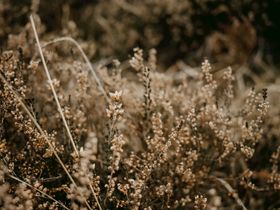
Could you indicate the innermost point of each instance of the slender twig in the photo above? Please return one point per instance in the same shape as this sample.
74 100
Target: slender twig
40 191
52 87
70 39
57 101
232 192
42 133
95 197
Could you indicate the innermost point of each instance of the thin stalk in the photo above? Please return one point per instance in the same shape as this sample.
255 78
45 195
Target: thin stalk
42 133
52 87
70 39
56 98
40 191
232 192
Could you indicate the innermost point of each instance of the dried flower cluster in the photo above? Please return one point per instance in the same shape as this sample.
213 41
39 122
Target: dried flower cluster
144 137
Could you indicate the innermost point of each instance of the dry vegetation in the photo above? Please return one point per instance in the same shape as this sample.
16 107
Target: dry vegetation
80 129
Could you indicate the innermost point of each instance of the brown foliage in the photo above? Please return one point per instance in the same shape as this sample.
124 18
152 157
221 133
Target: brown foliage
182 138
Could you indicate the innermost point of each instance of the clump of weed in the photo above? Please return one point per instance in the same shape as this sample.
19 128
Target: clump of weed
125 135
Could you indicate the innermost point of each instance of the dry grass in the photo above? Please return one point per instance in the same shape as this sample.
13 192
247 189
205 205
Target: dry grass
133 134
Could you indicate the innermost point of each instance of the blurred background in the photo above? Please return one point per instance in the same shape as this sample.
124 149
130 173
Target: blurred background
235 32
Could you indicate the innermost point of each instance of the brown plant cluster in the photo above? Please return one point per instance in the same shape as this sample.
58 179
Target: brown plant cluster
110 134
227 32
